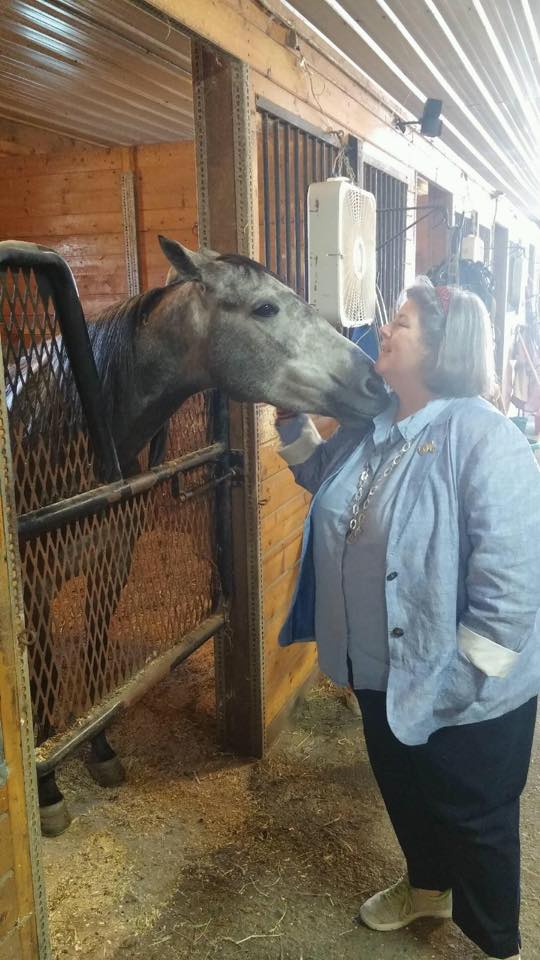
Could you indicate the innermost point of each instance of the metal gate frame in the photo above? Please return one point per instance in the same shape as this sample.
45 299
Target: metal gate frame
23 798
53 270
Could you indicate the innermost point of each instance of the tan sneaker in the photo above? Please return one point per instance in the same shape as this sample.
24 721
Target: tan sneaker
400 904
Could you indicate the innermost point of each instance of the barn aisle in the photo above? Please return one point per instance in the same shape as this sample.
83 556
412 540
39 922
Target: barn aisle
203 856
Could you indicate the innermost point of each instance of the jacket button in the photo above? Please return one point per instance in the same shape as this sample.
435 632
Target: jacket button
392 576
397 632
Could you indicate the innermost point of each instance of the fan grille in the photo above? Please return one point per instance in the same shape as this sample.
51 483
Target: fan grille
358 247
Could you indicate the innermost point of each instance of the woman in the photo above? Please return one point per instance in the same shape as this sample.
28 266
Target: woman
420 581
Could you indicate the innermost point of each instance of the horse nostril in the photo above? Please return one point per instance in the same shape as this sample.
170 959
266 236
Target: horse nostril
373 386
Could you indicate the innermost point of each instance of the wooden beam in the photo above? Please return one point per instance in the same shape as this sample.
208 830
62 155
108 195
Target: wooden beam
298 71
227 209
129 220
10 149
23 895
248 32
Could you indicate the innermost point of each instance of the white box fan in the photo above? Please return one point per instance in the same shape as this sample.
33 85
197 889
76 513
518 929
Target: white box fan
341 248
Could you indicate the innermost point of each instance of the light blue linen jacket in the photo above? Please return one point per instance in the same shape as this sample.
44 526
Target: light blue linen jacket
463 600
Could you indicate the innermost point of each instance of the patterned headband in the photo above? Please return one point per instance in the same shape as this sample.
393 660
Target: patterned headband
444 296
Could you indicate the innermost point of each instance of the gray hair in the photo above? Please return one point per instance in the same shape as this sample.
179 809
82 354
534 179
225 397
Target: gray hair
459 345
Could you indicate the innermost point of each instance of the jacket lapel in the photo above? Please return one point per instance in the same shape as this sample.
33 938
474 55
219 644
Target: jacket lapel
425 451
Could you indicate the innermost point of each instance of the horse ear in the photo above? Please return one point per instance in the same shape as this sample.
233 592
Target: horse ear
186 264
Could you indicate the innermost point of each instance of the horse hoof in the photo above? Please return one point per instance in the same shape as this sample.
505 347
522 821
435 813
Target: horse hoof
54 819
108 773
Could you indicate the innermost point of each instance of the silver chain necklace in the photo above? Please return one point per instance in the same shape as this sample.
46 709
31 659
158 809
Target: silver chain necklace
360 502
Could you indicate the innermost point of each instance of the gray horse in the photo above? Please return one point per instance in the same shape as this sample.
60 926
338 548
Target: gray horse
221 321
225 321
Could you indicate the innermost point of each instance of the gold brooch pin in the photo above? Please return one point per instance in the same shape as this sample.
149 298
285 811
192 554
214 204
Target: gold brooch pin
428 447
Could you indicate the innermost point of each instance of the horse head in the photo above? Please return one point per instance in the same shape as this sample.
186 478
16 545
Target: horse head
260 342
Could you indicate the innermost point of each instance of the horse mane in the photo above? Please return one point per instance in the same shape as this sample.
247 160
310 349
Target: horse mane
111 332
239 260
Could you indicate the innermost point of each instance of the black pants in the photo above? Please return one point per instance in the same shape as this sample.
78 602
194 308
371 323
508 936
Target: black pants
454 805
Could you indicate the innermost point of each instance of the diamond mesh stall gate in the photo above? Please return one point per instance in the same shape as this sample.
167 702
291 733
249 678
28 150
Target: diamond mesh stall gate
119 575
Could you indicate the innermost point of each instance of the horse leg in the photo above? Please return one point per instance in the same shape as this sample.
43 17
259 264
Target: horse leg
103 764
53 811
102 598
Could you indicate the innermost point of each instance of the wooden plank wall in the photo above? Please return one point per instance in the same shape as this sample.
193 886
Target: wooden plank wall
17 921
22 898
166 197
284 506
70 199
432 233
283 510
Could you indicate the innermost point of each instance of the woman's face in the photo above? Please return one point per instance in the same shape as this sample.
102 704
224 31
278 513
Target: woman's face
402 350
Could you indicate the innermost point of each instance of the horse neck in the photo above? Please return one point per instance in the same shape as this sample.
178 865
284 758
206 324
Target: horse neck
143 387
139 428
147 410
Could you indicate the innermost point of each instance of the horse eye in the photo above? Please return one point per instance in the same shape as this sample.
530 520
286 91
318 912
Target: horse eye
266 310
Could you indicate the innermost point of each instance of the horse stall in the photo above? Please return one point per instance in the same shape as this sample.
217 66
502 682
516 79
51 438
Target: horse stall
120 126
125 566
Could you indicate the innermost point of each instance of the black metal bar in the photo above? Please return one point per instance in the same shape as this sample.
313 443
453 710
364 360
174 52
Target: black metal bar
213 484
266 190
351 152
94 501
133 690
391 193
297 213
402 232
381 225
388 189
305 165
277 196
287 171
224 531
403 245
423 206
266 106
326 162
55 274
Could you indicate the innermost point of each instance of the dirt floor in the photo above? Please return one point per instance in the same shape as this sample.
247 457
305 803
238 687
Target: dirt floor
201 856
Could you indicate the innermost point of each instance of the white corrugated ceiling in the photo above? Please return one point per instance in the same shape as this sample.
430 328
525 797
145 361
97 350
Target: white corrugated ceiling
481 57
111 71
105 71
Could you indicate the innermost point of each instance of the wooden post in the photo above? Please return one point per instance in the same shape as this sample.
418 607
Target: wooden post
23 906
227 205
129 221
